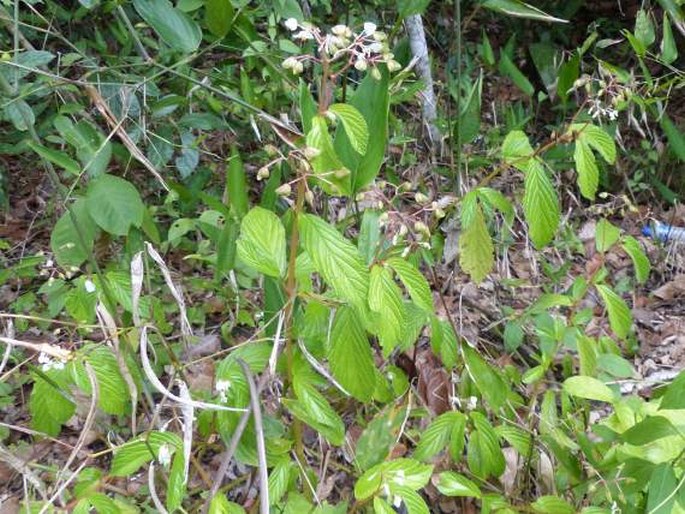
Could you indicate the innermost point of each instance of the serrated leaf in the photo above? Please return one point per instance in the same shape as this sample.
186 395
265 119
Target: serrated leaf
67 239
220 505
130 456
385 300
644 28
380 506
640 261
450 483
520 9
540 205
408 473
354 124
436 437
516 150
279 479
588 388
50 408
114 204
349 355
476 252
586 167
606 235
113 397
597 138
620 317
661 495
173 26
669 49
313 408
483 454
552 505
332 174
674 398
261 244
336 259
176 487
413 501
648 430
414 281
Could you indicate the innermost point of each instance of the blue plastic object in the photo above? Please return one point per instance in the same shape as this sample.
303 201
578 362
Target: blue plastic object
664 232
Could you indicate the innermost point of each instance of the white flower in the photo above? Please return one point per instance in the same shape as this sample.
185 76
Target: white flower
303 35
376 48
292 63
341 30
47 363
369 28
221 387
291 24
361 64
89 286
164 455
393 66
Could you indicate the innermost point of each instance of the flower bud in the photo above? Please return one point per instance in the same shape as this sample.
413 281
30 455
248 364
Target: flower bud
369 28
311 153
263 173
291 24
361 64
341 173
309 197
421 198
375 73
393 66
303 35
340 30
284 190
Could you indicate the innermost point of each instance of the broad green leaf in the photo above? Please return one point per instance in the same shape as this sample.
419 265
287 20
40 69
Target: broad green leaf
669 49
597 139
174 27
385 300
413 501
487 380
644 28
476 252
453 484
620 317
518 438
130 456
308 107
640 261
261 244
68 239
333 176
406 473
663 485
93 150
114 204
219 16
220 505
336 259
279 479
483 454
606 235
113 395
587 354
49 405
379 437
588 388
380 506
414 281
586 167
410 7
313 408
354 124
370 482
27 61
444 342
436 437
57 157
349 355
496 200
520 9
648 430
20 114
540 205
369 235
80 303
552 505
176 487
674 398
516 150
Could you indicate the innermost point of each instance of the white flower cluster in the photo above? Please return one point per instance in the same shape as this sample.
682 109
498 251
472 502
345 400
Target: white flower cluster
364 50
599 110
222 387
47 363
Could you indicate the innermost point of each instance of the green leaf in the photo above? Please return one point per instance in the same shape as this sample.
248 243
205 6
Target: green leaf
57 157
640 261
49 405
114 204
261 244
661 495
588 388
279 478
385 300
20 114
644 29
484 456
65 242
552 505
333 176
220 505
586 167
174 27
487 380
93 150
648 430
406 473
519 9
414 281
336 259
130 456
379 437
236 186
176 487
113 397
380 506
540 204
675 137
354 124
476 252
436 437
369 235
350 356
674 398
606 235
219 16
410 7
312 408
669 49
620 317
413 501
508 68
453 484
